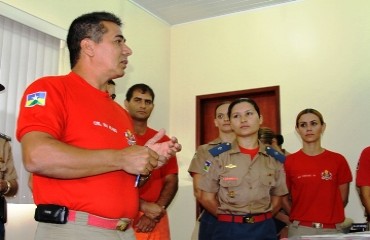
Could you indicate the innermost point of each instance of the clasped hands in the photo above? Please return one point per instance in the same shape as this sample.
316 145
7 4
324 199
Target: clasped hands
152 213
154 155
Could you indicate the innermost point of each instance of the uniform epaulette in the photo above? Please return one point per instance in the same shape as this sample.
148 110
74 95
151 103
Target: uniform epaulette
275 154
222 147
7 138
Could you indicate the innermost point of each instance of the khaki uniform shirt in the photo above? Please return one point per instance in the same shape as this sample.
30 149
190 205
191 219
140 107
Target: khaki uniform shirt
244 186
7 169
198 163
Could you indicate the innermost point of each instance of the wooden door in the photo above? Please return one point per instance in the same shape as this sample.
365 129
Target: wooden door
268 100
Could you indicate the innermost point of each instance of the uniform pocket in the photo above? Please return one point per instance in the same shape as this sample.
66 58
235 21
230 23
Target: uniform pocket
268 178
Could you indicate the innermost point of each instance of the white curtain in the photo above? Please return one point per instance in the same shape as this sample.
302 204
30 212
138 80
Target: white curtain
25 55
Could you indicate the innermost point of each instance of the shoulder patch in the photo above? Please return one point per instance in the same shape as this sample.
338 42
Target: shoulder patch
275 154
207 165
37 98
223 147
7 138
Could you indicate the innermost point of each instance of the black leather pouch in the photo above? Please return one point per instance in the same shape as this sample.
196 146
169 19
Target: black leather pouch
3 209
50 213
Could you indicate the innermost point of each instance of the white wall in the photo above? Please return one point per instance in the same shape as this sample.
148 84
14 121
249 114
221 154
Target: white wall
20 225
317 51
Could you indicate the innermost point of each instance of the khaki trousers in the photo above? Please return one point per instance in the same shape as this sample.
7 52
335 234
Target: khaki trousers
79 230
297 230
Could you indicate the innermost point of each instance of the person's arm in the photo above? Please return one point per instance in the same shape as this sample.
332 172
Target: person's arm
210 202
276 204
9 184
286 203
153 212
44 155
364 192
196 190
344 191
8 187
284 215
169 190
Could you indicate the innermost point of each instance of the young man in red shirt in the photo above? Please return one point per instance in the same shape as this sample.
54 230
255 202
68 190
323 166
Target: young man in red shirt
161 186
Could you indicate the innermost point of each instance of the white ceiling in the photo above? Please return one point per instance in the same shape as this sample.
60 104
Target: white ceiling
182 11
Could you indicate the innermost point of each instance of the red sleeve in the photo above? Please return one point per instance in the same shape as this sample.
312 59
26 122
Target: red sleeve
363 168
48 114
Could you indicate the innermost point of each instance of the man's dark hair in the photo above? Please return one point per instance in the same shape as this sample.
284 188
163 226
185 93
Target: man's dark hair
143 88
266 135
87 26
279 139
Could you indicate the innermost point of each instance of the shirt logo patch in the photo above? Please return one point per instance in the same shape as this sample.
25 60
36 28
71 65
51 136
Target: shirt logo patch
37 98
207 164
130 137
326 175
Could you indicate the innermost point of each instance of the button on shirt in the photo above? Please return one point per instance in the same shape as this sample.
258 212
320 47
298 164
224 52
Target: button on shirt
244 185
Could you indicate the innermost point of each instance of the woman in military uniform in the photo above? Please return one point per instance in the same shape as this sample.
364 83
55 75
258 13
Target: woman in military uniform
8 177
244 185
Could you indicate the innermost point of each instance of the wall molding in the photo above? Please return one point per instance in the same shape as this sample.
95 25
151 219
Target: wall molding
32 21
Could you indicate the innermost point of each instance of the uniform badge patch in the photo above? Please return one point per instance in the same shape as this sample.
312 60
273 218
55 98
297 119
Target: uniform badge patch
37 98
326 175
207 164
130 137
230 165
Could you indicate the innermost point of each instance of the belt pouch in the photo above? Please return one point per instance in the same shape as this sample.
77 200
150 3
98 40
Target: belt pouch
50 213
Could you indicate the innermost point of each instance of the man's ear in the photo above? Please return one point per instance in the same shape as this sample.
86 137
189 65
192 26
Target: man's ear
125 103
87 47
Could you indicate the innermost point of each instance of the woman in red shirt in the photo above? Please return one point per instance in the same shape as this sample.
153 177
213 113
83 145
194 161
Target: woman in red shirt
317 179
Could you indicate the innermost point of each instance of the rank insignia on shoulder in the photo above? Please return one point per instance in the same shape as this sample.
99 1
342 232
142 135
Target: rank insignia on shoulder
275 154
223 147
7 138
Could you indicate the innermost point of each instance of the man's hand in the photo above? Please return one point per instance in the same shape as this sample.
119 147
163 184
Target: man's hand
139 160
145 224
152 210
165 150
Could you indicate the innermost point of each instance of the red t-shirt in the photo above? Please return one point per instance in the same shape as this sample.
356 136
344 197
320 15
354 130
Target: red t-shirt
151 190
363 169
313 182
74 112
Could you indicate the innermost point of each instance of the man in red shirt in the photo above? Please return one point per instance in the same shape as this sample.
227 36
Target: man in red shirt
363 181
161 186
79 144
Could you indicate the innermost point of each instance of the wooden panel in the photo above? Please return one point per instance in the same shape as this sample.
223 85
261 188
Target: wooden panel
268 100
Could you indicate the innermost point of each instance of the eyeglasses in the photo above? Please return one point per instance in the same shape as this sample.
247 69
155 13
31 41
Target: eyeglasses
113 96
